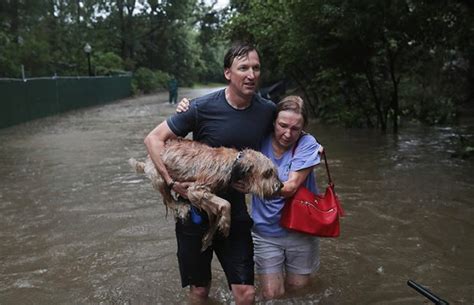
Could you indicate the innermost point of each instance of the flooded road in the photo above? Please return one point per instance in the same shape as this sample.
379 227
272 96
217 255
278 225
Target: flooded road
78 226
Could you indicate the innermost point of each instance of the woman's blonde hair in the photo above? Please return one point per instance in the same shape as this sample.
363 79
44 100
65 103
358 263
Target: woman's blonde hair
295 104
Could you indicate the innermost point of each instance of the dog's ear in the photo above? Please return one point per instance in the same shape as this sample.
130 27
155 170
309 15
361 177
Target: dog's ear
240 171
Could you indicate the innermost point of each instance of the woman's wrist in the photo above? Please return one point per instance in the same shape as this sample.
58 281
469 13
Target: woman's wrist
171 184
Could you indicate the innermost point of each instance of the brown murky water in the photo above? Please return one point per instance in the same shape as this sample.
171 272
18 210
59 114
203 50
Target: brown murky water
78 226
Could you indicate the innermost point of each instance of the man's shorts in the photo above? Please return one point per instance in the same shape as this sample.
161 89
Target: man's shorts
235 253
295 253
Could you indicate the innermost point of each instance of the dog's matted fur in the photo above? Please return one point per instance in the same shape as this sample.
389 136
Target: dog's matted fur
211 170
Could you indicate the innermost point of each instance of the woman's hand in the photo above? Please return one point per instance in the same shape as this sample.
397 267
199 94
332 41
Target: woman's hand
289 189
183 105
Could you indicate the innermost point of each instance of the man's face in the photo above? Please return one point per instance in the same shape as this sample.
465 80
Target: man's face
244 74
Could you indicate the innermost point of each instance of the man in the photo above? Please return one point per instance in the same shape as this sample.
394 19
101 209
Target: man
173 90
233 117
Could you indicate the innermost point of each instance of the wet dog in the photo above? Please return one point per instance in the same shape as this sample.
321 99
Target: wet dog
210 171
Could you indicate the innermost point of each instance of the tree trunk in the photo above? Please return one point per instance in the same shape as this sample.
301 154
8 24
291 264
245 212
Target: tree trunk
130 4
123 41
307 97
351 93
78 12
395 107
395 82
15 19
381 117
302 81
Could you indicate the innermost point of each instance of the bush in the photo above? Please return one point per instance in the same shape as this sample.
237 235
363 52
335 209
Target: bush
146 81
441 110
109 64
162 79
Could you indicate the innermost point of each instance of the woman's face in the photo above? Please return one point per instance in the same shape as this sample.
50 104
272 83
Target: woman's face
288 127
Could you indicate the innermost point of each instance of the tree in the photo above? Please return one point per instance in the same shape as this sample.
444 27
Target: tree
47 37
354 60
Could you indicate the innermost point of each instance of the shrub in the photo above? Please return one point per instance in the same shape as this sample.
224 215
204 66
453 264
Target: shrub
147 81
162 79
108 64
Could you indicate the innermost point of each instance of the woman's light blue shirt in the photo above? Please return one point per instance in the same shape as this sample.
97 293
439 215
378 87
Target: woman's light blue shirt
266 214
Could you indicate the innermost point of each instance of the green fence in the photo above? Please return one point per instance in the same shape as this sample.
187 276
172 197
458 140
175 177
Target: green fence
28 99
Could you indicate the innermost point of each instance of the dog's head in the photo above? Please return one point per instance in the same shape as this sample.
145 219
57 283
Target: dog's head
258 173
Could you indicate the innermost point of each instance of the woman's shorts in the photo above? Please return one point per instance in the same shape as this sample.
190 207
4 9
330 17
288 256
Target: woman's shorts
295 253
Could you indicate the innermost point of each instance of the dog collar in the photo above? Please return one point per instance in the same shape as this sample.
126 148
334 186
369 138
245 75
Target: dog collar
239 156
234 166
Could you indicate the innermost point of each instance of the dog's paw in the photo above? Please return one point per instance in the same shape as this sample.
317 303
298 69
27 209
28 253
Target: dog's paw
224 226
139 167
182 210
206 241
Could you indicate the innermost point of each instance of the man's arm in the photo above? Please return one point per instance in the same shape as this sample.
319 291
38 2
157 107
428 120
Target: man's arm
155 142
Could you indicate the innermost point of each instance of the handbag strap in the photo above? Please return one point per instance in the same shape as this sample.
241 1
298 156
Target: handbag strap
323 153
340 210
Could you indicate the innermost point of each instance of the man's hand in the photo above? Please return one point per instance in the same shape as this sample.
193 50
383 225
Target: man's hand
183 105
181 188
240 186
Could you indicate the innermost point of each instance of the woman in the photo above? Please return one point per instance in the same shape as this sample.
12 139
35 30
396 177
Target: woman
284 259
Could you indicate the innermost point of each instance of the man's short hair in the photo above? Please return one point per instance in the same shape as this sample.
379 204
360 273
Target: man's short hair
237 50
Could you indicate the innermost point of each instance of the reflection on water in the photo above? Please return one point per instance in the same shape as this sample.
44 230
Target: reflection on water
409 216
78 226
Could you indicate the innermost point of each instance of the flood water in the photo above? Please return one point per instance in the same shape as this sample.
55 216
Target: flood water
77 226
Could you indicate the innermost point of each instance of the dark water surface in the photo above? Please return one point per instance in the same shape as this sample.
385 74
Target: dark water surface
78 226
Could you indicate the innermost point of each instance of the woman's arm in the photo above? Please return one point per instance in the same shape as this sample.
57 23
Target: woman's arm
294 181
296 178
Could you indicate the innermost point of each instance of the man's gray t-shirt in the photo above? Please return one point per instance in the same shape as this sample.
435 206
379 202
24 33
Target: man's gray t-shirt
214 122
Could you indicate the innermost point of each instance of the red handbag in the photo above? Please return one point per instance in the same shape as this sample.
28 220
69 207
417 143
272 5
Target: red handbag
313 214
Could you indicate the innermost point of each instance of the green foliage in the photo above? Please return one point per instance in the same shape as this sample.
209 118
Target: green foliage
7 65
147 81
441 111
350 57
358 63
48 37
108 63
